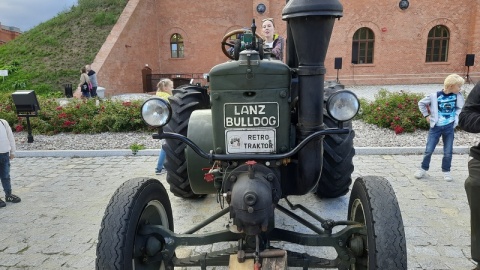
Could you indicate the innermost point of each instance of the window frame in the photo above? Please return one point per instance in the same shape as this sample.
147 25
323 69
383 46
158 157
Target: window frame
176 40
363 46
437 45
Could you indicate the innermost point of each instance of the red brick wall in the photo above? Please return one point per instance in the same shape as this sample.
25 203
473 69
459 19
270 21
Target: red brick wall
6 35
142 36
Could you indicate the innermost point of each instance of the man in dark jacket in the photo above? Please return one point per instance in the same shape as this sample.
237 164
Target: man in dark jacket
93 79
469 120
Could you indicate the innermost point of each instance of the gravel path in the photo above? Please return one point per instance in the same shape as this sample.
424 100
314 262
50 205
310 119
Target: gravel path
366 135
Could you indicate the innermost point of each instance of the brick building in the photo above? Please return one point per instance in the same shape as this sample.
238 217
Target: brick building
8 33
379 42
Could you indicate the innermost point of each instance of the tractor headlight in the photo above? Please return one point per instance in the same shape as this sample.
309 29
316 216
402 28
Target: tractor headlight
343 105
156 112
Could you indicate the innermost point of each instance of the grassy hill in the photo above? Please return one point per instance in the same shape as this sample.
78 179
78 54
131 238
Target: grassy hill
51 54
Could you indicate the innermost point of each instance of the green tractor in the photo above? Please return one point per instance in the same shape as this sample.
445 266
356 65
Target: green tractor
265 131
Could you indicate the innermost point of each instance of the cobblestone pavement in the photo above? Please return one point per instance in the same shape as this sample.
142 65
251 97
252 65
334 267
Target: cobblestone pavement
63 200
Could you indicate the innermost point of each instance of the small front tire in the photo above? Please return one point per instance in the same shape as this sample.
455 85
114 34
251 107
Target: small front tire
136 202
374 204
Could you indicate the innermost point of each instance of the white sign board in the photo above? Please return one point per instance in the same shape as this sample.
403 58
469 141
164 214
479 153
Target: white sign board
250 141
3 73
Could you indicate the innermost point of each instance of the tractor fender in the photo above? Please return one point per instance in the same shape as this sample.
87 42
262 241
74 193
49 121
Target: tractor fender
200 131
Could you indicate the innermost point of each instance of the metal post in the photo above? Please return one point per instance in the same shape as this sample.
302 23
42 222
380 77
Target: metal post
29 129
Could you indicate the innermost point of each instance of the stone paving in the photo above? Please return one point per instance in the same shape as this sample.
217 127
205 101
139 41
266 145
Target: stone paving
63 199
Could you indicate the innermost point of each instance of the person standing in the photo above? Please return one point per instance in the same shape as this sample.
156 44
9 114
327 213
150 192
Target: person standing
164 90
93 80
441 110
272 40
7 153
84 83
469 120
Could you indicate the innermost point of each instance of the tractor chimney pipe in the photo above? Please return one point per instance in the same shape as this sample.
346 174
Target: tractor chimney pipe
310 23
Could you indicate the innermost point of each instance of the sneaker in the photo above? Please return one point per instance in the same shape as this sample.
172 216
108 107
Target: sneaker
2 203
420 173
447 176
160 172
12 198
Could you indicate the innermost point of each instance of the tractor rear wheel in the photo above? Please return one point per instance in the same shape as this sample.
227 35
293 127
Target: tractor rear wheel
184 101
338 167
136 202
374 204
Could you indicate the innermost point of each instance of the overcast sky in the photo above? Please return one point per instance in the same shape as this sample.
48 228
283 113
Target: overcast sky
26 14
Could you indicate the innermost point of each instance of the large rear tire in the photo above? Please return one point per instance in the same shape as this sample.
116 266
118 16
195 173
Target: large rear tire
184 101
338 152
373 203
136 202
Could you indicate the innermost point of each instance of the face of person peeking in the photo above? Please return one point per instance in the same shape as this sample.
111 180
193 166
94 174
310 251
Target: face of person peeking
169 87
268 30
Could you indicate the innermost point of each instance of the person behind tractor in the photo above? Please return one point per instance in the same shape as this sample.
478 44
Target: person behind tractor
441 110
272 40
164 90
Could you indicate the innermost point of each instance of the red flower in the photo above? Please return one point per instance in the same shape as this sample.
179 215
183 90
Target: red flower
398 129
59 108
62 115
400 106
127 103
18 128
68 123
397 118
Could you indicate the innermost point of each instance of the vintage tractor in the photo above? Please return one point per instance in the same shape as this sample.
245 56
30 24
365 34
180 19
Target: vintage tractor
265 131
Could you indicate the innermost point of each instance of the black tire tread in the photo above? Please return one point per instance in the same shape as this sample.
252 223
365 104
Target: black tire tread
183 103
388 229
338 153
113 231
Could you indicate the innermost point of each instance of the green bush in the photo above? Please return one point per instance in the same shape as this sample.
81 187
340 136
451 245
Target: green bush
397 111
77 116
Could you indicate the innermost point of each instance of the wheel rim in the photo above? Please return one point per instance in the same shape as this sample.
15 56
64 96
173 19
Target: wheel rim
358 214
154 213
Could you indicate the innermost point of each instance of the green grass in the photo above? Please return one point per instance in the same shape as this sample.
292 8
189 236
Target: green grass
51 54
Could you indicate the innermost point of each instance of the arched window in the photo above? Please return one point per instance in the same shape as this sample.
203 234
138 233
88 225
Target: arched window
176 46
362 46
437 44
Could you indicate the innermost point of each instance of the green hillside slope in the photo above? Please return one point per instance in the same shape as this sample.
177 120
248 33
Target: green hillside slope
51 55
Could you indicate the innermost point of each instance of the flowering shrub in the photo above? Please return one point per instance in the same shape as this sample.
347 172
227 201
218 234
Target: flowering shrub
396 111
77 116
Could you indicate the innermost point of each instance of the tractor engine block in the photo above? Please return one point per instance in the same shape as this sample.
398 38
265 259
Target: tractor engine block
252 190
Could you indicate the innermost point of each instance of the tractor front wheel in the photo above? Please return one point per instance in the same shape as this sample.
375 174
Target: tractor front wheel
135 203
374 204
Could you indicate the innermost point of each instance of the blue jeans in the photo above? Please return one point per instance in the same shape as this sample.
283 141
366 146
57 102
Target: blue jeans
161 160
5 173
447 134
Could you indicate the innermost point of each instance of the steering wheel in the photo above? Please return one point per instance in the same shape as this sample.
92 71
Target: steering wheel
226 42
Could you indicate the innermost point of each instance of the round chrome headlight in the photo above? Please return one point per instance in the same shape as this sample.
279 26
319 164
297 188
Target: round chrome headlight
156 112
343 105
